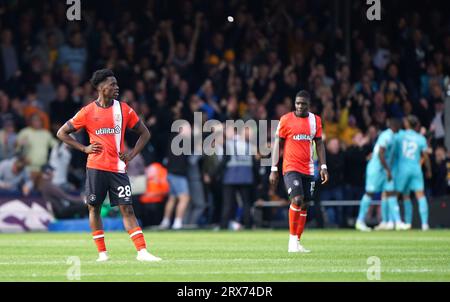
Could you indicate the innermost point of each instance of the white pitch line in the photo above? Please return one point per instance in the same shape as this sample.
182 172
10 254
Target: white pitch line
201 261
363 271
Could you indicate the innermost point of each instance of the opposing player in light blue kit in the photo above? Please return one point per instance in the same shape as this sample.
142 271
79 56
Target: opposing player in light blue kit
410 150
379 177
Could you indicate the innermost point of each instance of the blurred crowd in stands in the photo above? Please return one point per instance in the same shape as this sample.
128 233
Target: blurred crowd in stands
174 58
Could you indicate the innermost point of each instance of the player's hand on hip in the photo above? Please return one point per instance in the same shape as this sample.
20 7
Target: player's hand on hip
126 157
96 147
324 176
273 178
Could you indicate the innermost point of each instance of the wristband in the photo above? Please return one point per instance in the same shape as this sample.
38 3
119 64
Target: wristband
274 169
323 167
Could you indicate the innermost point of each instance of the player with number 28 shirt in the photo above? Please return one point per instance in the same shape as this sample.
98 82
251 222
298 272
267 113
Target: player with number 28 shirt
105 121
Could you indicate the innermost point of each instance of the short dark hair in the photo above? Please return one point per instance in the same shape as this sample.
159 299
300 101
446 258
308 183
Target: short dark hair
21 159
394 122
303 94
100 75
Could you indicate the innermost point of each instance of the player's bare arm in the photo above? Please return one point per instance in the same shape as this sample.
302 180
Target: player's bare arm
381 155
144 136
274 176
320 148
64 135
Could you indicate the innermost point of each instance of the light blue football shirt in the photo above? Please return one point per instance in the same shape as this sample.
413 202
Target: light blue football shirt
409 146
385 140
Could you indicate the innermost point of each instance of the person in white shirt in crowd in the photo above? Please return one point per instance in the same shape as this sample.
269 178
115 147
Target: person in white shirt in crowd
60 157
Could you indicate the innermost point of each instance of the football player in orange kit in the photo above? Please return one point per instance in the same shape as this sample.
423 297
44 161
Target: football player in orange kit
105 121
299 131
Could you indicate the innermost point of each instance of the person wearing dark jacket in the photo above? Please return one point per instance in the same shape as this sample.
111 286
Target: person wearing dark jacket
334 190
439 166
177 168
355 156
238 178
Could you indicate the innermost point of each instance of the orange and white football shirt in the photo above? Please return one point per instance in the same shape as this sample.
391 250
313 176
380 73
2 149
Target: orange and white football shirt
299 133
107 127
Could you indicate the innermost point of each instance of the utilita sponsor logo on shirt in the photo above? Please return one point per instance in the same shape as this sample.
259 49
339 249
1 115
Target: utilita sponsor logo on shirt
302 137
101 131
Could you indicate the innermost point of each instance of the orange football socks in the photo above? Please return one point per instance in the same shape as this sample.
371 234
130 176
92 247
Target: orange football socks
301 223
294 218
99 239
138 238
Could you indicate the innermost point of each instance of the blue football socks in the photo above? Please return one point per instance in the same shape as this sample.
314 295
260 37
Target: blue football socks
423 210
394 209
364 207
408 211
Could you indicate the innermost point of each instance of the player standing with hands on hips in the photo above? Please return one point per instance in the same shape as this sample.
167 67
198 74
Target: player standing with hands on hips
105 121
299 131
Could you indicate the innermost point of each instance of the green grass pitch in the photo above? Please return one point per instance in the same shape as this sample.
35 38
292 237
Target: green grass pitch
337 255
